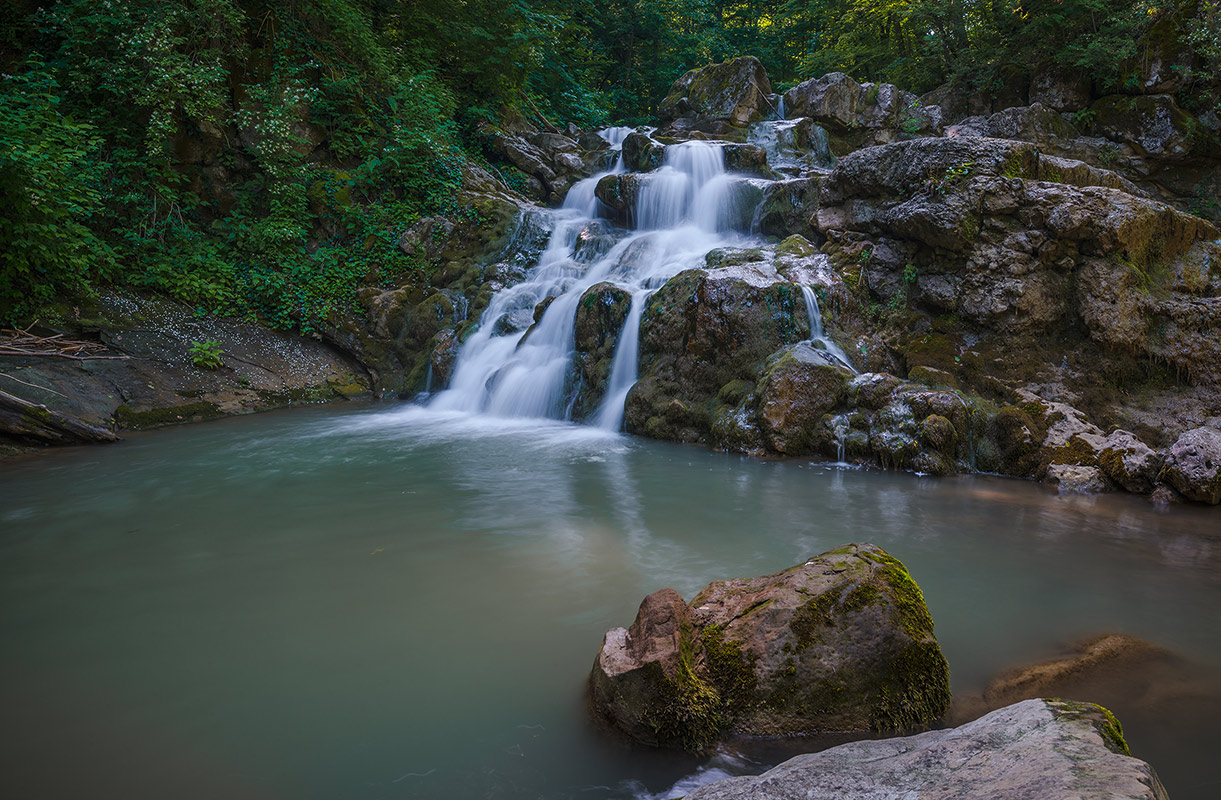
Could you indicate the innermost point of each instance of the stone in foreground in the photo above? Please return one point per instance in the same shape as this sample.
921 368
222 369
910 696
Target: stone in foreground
842 642
1044 749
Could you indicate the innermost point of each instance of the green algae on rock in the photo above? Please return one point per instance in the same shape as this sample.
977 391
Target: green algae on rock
841 642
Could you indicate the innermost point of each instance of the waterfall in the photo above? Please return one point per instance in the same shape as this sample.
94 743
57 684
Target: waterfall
780 108
623 368
513 365
817 335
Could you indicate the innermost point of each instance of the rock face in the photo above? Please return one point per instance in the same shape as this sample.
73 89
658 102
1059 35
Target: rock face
859 115
1193 465
841 642
1034 749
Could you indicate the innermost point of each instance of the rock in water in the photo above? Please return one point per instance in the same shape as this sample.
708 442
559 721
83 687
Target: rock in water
842 642
1193 465
1034 749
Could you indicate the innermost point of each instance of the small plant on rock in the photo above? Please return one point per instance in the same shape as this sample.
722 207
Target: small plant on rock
206 355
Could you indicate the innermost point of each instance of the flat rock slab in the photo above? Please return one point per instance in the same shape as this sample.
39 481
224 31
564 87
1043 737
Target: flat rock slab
1033 750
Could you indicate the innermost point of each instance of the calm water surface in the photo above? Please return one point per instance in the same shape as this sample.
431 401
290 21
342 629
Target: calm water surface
385 602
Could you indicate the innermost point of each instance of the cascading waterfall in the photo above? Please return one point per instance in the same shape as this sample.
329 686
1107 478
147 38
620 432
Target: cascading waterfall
520 364
817 335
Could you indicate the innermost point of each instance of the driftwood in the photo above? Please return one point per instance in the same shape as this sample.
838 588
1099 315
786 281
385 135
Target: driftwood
28 420
17 342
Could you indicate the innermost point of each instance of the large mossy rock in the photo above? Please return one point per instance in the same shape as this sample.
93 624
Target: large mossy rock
798 386
1035 749
842 642
859 115
733 92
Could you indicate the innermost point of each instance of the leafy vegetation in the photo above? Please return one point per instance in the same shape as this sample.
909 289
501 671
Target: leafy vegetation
261 158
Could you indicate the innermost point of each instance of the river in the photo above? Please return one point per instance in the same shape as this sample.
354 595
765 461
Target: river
387 601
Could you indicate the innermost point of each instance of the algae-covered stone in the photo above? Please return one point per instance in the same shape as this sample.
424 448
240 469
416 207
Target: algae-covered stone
841 642
798 386
1130 462
1193 465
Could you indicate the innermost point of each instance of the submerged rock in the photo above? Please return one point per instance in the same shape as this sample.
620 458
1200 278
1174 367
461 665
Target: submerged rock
1033 749
842 642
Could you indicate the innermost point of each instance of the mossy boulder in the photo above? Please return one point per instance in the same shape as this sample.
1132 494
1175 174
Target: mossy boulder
842 642
798 386
733 92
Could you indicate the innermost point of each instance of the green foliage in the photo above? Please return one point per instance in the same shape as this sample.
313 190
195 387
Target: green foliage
206 355
49 189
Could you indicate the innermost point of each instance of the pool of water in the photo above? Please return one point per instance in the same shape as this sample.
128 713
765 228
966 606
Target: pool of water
387 602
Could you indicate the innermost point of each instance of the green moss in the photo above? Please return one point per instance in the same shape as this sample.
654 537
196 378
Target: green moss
910 609
130 419
1075 451
731 672
916 691
1102 720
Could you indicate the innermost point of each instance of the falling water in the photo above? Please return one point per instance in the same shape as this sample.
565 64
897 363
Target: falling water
512 368
817 335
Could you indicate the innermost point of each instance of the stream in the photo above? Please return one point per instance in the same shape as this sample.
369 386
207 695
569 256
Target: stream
388 601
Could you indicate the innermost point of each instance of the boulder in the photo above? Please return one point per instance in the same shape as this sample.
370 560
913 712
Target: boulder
798 386
1130 462
1193 465
642 154
733 92
703 330
1033 749
859 115
841 642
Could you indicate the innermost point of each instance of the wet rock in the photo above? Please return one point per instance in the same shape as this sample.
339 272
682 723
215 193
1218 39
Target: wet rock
600 316
798 386
1036 748
789 207
442 358
1076 479
841 642
1193 465
746 158
1130 462
702 330
618 194
733 92
642 154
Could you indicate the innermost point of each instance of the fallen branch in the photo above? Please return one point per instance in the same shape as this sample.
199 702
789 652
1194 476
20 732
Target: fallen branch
32 385
33 421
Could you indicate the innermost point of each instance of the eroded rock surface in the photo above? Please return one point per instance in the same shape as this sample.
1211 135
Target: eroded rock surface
1033 749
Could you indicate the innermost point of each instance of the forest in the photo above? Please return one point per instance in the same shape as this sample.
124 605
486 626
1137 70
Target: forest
105 106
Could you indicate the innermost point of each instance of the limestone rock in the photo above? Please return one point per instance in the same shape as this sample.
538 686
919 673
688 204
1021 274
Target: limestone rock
642 154
733 92
859 115
788 208
841 642
1130 462
1193 465
1033 749
1076 479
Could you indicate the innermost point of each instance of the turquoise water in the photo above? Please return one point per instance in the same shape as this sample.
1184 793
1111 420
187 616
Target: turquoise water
386 602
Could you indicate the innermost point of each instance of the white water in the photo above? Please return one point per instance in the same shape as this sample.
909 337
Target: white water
508 368
791 146
818 336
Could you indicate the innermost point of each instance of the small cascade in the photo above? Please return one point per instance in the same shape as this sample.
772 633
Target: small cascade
780 108
623 368
580 197
817 335
511 368
793 145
